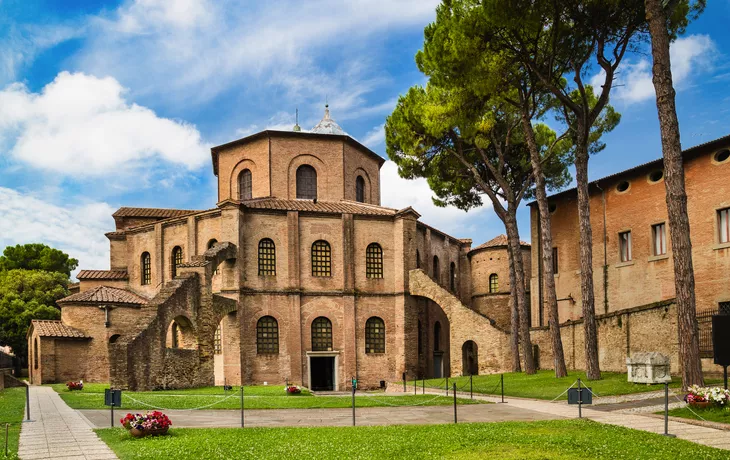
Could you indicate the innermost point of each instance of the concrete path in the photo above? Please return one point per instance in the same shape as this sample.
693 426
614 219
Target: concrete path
58 432
698 434
365 416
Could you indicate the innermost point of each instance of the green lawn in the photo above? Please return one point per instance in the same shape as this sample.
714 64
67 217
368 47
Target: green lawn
544 385
255 397
12 407
564 439
711 414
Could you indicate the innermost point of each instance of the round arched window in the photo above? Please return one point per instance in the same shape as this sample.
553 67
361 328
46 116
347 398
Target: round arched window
656 176
622 186
722 156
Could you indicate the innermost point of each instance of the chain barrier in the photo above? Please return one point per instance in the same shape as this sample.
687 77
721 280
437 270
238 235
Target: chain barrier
566 390
408 405
192 409
689 407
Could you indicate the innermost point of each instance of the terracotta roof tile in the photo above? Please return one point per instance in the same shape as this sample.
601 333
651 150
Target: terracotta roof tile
55 328
328 207
152 212
105 294
102 275
497 241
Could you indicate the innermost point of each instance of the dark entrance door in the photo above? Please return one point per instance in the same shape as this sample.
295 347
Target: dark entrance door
323 373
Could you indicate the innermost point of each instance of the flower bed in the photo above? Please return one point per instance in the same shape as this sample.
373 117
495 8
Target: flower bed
702 397
150 424
293 390
75 386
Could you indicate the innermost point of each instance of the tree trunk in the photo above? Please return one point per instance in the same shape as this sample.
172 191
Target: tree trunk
593 371
551 297
684 281
513 237
515 320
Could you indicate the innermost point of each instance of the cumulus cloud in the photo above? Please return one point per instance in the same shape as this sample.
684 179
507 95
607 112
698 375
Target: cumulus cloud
400 193
375 137
77 230
82 124
691 56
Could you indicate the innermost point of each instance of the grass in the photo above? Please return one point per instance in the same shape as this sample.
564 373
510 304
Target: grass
255 397
544 385
12 406
559 439
711 414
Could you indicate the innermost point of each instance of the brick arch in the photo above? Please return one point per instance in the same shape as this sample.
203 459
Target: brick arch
368 183
318 165
233 180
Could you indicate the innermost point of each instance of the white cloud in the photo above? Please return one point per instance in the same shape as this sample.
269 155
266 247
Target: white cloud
76 230
375 137
83 125
690 56
400 193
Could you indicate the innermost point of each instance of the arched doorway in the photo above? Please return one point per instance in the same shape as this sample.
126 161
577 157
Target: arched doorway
469 358
438 353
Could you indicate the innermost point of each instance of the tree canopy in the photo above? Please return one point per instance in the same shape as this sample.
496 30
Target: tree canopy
37 256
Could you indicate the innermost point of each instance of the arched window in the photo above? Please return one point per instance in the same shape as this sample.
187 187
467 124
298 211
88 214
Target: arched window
436 336
146 268
212 243
436 269
114 338
374 261
452 276
177 260
418 259
321 334
244 185
267 257
218 341
306 182
35 353
267 335
493 283
374 335
175 335
321 258
360 189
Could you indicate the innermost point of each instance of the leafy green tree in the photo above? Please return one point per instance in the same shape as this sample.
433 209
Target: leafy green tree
26 295
37 256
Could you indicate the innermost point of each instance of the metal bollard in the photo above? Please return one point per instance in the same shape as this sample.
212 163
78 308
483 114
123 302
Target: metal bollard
7 428
447 386
423 385
501 379
415 387
471 387
666 412
27 402
353 403
455 419
404 382
242 419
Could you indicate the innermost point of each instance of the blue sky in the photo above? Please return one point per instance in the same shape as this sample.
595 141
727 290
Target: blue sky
108 104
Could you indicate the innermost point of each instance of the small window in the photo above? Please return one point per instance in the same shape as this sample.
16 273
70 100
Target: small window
321 258
267 336
722 156
374 335
723 308
114 338
493 283
622 186
218 341
267 257
374 261
436 269
723 225
659 236
146 264
177 259
175 335
35 353
556 265
624 241
360 189
418 259
452 277
306 183
321 334
245 185
656 176
436 336
552 207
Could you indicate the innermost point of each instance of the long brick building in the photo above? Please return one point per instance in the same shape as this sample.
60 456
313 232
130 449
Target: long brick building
297 274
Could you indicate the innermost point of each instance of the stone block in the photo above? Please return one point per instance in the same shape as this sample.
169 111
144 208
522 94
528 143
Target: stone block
648 367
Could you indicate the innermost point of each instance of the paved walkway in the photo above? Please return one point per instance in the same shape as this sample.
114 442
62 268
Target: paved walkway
365 416
698 434
58 432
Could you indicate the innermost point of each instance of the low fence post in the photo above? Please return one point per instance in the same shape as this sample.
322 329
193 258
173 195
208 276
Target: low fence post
27 402
242 406
404 382
501 380
471 387
580 400
415 387
666 412
353 401
455 419
7 428
423 384
447 386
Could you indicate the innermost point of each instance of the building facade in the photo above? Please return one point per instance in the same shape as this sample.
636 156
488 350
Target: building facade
298 274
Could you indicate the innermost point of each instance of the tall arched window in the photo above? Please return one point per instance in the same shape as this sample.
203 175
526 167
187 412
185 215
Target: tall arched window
374 261
374 335
493 283
321 258
218 341
245 185
436 336
177 260
360 189
436 269
267 257
267 335
306 182
452 276
418 259
321 334
146 268
175 335
35 353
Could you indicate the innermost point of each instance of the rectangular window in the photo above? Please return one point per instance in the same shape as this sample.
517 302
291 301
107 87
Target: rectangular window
555 261
624 241
723 225
659 237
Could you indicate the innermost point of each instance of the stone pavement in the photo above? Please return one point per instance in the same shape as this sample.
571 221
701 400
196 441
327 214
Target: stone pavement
365 416
58 432
690 432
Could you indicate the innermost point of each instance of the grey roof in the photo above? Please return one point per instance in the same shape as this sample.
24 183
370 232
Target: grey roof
327 125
